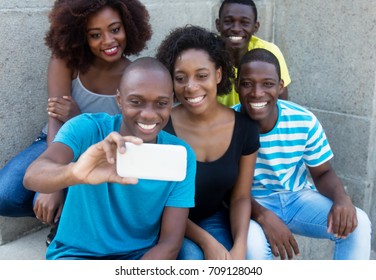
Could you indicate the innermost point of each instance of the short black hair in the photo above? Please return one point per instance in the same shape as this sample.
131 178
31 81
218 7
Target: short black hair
144 63
263 55
199 38
242 2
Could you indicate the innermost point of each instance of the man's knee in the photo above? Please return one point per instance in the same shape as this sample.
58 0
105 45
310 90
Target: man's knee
257 245
364 223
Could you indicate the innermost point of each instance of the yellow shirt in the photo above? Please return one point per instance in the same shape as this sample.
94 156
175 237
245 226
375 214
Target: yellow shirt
233 98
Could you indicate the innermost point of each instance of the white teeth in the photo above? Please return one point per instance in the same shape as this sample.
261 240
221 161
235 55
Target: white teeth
235 38
195 100
110 50
258 105
147 126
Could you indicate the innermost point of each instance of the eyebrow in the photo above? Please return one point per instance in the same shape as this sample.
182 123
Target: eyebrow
143 97
97 28
197 70
241 77
232 16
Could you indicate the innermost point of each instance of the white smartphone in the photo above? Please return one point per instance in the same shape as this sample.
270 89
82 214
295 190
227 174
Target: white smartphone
153 161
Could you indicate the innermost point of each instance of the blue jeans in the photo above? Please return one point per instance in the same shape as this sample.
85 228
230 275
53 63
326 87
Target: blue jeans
218 225
305 213
15 200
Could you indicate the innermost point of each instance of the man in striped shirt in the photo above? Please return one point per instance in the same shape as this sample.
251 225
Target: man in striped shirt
285 201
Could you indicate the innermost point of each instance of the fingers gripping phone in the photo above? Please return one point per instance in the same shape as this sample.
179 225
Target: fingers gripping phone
153 161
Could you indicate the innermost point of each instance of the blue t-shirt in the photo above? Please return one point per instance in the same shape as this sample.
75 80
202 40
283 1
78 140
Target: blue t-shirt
296 141
109 218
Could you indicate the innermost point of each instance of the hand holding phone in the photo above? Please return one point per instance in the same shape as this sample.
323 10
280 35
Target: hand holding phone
153 162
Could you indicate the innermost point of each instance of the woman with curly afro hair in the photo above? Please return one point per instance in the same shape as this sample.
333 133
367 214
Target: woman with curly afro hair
90 41
225 143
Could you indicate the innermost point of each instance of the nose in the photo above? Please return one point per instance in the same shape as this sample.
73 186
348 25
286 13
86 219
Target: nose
257 90
148 112
191 85
236 27
108 38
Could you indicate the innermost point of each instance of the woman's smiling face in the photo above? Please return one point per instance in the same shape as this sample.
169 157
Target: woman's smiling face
195 79
106 35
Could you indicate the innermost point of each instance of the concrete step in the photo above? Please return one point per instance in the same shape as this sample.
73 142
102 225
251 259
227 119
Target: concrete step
29 247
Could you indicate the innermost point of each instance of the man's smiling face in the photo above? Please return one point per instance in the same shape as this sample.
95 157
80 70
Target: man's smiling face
237 24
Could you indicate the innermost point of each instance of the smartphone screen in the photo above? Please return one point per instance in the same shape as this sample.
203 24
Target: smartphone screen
153 161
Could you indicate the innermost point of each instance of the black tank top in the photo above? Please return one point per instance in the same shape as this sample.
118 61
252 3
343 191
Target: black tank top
215 180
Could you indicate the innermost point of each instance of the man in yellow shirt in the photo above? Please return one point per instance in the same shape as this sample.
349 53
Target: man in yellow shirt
237 22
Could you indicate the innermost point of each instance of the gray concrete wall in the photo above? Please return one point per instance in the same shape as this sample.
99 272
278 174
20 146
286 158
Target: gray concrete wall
329 47
23 72
330 50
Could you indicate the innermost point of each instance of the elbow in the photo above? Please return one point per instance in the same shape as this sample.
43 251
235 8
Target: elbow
27 180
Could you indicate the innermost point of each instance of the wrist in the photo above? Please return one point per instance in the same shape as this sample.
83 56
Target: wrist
71 176
342 197
239 251
260 215
207 242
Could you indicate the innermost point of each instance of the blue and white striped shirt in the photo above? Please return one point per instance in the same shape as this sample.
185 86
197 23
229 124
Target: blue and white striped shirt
296 141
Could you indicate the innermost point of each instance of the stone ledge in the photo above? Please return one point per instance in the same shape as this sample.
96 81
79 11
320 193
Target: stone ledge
314 249
15 228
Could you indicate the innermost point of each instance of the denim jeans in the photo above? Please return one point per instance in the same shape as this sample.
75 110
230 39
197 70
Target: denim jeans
218 225
305 213
15 200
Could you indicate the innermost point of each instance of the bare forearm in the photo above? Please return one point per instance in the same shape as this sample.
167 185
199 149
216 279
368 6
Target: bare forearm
46 176
329 185
53 127
211 247
258 211
240 215
197 234
171 235
162 251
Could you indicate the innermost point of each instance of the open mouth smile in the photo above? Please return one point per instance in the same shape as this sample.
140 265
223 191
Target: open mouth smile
147 126
257 105
111 51
195 100
235 38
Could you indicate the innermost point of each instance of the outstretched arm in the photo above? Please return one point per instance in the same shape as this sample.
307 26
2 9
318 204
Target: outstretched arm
54 171
342 218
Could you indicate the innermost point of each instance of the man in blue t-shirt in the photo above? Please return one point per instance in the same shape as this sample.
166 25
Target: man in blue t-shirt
106 216
293 142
